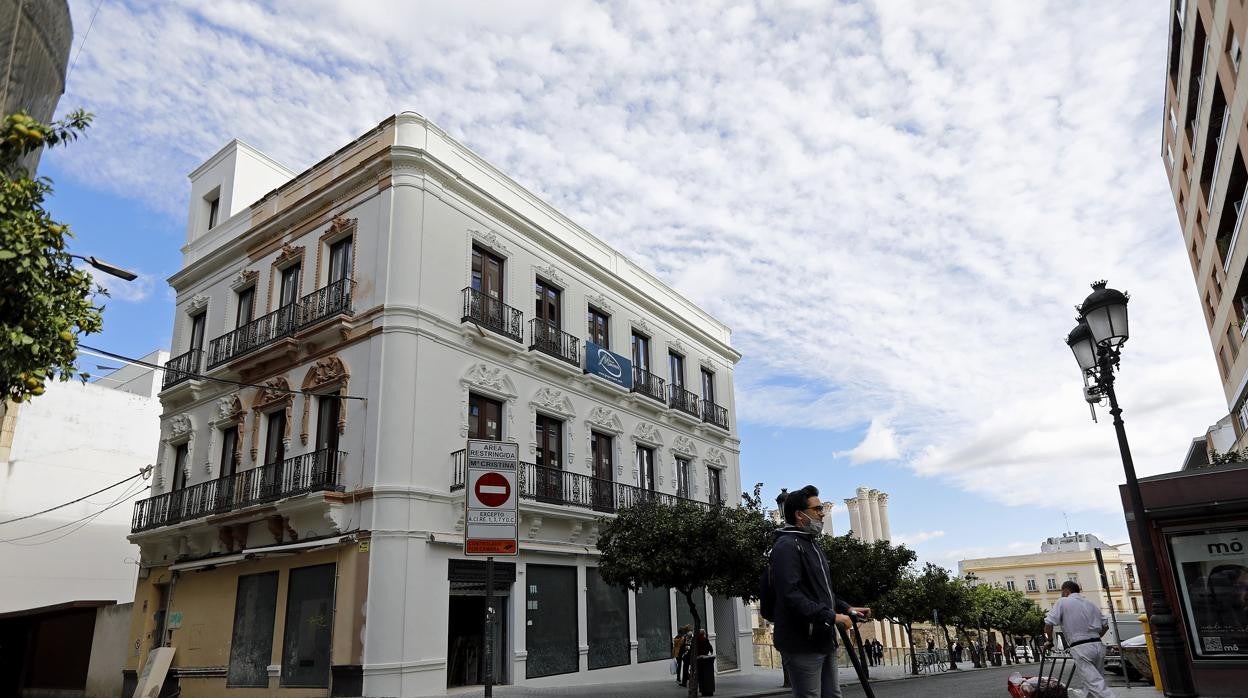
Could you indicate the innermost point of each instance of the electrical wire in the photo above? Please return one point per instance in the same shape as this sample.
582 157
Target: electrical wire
139 362
81 523
141 473
84 40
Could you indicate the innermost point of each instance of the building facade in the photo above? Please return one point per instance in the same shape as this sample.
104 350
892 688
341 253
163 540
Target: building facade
73 440
305 536
1203 150
1061 558
35 39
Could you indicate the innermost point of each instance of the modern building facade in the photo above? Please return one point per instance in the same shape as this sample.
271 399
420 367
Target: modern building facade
1066 557
71 441
379 309
1203 150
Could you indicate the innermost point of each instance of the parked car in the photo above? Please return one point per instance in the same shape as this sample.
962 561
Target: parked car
1129 626
1024 653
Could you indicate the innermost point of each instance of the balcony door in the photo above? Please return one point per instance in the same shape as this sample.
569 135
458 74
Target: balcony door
229 466
246 306
487 274
340 260
641 351
708 387
604 472
676 369
328 412
716 486
645 468
547 303
549 481
274 452
485 418
290 284
198 322
682 477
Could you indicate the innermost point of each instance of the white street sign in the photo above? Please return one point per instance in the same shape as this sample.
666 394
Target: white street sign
491 498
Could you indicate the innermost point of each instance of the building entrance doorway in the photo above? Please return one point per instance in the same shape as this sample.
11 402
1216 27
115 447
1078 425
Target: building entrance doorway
465 632
465 657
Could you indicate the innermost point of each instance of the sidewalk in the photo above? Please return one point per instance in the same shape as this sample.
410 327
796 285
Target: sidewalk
763 682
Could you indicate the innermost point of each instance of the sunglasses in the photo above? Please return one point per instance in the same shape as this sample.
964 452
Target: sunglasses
823 509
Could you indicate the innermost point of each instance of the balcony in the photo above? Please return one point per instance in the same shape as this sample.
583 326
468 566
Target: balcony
560 487
680 399
1230 246
322 303
547 338
648 384
714 414
311 472
181 367
492 314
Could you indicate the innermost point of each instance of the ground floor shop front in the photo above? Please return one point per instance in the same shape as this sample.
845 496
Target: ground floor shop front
405 616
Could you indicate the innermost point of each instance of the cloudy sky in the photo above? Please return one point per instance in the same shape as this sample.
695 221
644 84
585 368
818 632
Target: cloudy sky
895 206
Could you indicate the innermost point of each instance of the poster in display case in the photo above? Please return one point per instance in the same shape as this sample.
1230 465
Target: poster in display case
1212 570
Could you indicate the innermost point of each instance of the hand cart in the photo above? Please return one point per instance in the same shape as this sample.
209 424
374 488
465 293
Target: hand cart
1052 679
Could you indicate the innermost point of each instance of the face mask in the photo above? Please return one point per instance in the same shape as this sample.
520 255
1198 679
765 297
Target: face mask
813 526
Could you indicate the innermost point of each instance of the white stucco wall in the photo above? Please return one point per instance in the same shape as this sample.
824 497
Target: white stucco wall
108 651
67 443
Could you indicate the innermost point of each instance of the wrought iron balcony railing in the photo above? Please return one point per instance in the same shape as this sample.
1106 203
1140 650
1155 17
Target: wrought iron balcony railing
680 399
547 338
493 314
309 472
322 303
181 367
555 486
648 384
715 414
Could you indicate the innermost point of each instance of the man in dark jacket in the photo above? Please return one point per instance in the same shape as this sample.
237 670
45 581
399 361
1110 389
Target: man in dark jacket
806 608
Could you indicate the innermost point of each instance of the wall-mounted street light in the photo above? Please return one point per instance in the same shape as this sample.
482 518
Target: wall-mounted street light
107 268
1097 345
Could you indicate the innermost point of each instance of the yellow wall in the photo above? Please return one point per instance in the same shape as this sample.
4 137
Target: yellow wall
206 600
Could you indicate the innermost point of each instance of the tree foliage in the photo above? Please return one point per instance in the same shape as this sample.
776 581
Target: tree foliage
863 573
45 302
686 546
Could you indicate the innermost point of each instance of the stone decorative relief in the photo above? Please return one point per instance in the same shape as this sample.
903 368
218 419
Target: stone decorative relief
715 456
551 274
288 254
708 364
605 418
339 224
276 392
677 346
554 401
600 302
244 278
325 373
685 446
198 302
643 327
490 239
179 427
648 433
228 409
490 378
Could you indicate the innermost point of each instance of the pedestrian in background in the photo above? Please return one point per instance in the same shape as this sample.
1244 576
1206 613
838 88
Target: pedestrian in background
807 610
1083 625
681 645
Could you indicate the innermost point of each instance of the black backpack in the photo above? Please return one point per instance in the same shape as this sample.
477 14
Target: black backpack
766 590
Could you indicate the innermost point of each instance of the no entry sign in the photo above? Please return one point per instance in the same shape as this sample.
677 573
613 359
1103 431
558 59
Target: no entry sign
490 503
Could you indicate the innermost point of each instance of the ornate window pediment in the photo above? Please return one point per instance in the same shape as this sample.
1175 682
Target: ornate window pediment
491 379
228 409
289 255
243 279
551 274
647 433
181 428
715 456
683 445
600 302
606 419
198 303
488 238
554 401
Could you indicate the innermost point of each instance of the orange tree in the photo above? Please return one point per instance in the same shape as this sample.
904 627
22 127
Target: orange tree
45 301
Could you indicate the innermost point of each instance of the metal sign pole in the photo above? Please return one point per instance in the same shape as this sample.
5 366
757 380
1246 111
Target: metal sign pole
1113 617
489 627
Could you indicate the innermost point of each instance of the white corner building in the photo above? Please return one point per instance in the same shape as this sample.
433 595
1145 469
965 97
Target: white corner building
399 297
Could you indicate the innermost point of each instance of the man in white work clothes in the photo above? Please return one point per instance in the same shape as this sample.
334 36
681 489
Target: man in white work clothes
1083 625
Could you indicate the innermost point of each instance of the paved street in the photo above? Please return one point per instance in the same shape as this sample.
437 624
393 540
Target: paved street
888 683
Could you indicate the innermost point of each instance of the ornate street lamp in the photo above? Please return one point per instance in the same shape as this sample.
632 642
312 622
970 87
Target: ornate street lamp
1097 344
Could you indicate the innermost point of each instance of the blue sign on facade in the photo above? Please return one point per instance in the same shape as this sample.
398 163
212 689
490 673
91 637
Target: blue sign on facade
609 365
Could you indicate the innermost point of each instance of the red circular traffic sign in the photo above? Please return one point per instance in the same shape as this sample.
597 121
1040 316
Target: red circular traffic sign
492 489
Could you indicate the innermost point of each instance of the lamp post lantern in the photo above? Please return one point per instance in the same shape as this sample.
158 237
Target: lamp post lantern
110 269
1097 345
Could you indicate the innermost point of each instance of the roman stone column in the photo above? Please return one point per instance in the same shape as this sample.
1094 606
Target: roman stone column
855 521
864 514
876 529
881 503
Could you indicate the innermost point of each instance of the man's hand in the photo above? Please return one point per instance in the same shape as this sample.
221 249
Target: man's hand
1048 644
844 621
862 611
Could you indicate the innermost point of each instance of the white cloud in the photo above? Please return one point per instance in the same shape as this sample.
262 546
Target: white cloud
911 540
138 290
879 443
894 220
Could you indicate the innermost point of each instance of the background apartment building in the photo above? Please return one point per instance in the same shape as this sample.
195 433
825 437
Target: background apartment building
400 297
1061 558
1203 146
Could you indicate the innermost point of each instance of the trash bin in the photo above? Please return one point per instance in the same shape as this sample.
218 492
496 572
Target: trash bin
706 674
